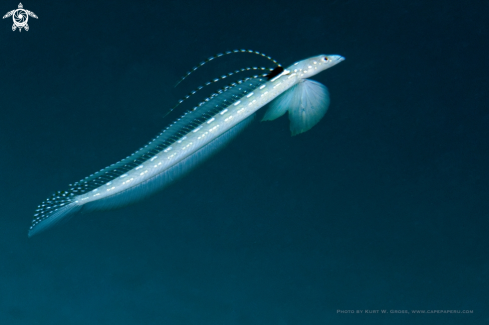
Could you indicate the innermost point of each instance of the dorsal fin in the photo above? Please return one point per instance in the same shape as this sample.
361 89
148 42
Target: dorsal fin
222 78
188 121
64 203
222 54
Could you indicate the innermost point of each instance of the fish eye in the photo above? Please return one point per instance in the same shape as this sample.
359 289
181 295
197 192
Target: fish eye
325 58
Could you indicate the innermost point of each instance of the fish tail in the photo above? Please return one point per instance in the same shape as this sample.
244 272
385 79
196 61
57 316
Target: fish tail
48 217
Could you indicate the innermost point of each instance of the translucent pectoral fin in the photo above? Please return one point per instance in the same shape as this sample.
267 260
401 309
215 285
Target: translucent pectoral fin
307 102
311 103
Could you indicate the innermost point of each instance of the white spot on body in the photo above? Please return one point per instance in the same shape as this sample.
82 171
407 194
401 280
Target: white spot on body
202 135
185 148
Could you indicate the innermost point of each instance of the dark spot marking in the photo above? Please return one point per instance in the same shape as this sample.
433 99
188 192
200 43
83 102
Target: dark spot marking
275 72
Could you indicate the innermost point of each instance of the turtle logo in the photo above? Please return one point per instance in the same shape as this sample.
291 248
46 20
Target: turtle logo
20 17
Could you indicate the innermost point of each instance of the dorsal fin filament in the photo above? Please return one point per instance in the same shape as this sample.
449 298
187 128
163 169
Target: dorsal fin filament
223 54
222 78
219 91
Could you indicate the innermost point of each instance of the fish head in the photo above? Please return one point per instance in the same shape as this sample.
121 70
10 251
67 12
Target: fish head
312 66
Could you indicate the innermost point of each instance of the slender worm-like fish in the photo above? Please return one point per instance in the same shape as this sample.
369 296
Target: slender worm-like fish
194 136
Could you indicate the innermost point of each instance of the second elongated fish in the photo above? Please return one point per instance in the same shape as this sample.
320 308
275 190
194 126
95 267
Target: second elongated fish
193 137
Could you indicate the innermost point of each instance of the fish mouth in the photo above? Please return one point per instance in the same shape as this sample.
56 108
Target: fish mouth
338 58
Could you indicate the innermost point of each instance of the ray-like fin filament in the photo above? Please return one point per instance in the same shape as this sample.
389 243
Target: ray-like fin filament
222 54
193 92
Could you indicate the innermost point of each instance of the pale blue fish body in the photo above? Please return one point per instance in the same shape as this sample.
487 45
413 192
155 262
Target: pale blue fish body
192 138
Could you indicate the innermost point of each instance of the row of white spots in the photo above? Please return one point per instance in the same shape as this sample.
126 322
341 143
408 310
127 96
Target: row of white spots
240 111
187 146
202 135
128 181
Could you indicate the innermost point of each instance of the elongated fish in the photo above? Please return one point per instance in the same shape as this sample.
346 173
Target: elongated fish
193 137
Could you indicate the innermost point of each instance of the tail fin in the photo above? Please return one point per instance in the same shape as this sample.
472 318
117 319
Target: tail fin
49 217
307 102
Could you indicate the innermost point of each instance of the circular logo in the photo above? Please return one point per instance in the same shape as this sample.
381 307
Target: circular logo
20 17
